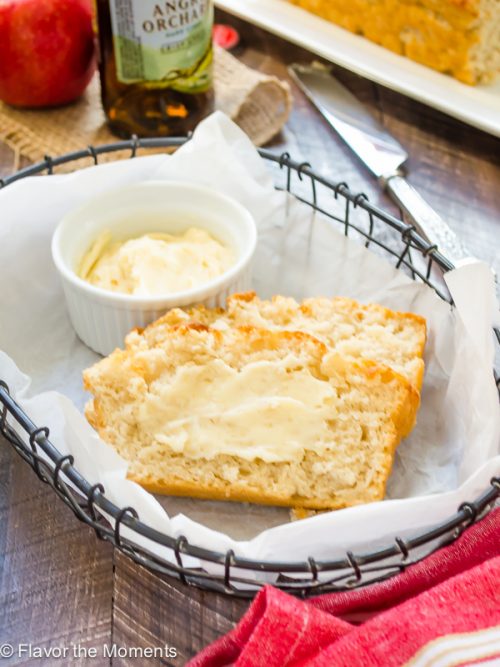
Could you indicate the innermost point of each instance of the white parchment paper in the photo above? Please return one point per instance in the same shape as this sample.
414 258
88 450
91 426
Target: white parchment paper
449 458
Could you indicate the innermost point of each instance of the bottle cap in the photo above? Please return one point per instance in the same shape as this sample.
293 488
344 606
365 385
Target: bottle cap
225 36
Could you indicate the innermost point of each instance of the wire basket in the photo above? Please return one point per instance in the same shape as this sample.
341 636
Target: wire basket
234 575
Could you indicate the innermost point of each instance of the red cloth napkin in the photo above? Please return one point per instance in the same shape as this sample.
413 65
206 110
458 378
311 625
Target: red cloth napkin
442 611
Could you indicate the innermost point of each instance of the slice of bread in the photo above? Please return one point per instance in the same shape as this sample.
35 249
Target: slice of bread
352 329
249 414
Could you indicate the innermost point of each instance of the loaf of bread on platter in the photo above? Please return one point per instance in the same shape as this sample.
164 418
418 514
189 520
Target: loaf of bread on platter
457 37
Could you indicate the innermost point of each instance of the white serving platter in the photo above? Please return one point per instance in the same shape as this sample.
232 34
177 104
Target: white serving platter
478 106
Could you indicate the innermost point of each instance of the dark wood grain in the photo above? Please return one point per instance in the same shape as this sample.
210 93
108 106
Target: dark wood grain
58 584
149 611
56 578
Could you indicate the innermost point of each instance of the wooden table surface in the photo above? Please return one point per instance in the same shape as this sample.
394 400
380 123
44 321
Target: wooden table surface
59 585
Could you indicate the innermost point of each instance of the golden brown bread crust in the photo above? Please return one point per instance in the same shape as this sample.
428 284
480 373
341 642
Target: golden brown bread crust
207 316
442 34
243 495
239 305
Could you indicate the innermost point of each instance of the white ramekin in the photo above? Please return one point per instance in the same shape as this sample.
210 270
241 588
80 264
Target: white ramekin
102 318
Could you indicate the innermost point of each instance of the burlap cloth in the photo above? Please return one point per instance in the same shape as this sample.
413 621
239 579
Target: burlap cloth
259 103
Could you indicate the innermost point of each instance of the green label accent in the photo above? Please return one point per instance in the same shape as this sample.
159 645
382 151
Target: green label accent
167 44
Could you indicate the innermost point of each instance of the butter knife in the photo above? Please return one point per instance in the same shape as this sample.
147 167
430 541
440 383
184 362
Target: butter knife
379 151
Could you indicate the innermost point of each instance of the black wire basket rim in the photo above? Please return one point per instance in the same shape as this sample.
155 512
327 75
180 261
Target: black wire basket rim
283 159
466 514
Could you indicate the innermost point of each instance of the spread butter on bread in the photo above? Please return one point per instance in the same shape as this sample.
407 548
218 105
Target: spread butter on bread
234 411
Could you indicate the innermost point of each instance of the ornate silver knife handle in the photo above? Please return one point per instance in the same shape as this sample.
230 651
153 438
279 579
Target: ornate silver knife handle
428 223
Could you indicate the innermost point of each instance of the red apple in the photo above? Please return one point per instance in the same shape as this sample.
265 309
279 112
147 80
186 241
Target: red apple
46 51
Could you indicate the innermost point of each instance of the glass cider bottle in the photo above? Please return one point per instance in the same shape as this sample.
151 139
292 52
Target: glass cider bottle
155 61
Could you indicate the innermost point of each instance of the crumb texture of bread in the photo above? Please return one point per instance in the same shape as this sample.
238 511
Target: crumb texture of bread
345 326
456 37
250 414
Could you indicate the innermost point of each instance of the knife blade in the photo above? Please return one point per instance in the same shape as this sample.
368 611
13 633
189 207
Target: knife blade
379 151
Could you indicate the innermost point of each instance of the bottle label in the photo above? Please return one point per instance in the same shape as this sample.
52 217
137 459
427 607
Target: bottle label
168 44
